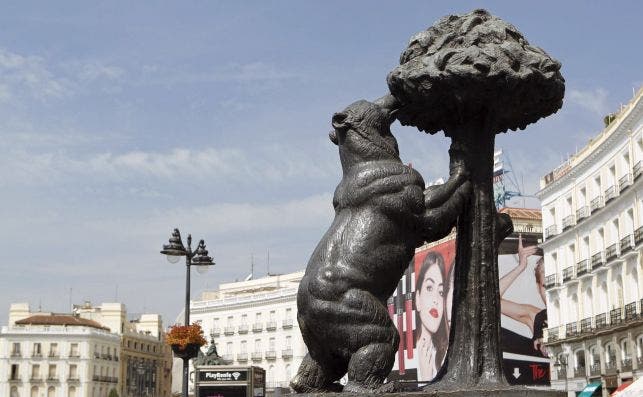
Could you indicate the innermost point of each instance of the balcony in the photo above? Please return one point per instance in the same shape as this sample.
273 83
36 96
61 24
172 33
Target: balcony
551 281
595 369
611 252
552 334
580 372
627 243
257 327
586 325
626 364
52 378
256 356
561 373
550 231
568 222
16 354
271 325
36 355
35 379
242 357
610 194
583 267
630 311
600 321
596 203
568 273
570 329
75 355
243 329
228 357
73 378
582 213
215 331
610 366
14 378
53 355
96 355
624 182
287 323
636 170
597 260
616 316
271 354
229 330
638 235
286 353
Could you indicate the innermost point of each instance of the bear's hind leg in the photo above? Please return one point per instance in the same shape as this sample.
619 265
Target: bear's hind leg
369 366
313 377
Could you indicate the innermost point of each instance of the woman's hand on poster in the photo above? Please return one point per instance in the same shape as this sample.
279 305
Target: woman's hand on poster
539 345
524 253
427 359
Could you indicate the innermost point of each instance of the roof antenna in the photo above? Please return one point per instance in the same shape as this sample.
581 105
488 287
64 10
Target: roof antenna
268 261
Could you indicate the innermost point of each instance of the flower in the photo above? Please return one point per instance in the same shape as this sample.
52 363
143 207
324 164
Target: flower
183 335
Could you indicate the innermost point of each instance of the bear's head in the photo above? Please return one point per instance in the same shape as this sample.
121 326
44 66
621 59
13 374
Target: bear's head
363 133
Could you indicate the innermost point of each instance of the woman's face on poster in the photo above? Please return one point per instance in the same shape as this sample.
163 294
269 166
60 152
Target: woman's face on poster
430 299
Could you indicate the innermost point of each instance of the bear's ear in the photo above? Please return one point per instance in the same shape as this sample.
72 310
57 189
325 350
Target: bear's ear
339 121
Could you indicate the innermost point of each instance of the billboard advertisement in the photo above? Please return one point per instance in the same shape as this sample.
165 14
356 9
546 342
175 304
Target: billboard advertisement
421 310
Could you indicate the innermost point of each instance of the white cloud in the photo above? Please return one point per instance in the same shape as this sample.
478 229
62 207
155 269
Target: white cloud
595 101
29 76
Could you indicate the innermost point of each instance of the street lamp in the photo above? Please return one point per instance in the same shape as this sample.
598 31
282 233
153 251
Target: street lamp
140 369
561 362
199 258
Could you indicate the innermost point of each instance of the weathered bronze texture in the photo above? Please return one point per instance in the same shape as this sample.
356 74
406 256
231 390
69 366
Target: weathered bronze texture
381 216
473 76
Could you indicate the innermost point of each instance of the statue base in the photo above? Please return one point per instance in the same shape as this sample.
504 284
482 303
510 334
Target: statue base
503 392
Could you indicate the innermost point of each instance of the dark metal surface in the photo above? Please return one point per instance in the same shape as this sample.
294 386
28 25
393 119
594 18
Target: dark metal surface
381 216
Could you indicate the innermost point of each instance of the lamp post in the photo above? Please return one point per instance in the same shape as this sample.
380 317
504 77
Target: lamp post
561 362
140 369
199 258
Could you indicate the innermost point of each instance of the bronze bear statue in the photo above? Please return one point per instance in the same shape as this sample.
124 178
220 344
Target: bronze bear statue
382 213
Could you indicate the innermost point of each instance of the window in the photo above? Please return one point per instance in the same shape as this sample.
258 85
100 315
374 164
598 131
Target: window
625 350
230 321
272 315
597 186
244 319
35 371
257 345
52 372
288 314
288 342
15 349
579 360
73 371
73 350
271 344
15 374
228 348
244 346
72 391
258 318
51 391
53 350
582 197
37 351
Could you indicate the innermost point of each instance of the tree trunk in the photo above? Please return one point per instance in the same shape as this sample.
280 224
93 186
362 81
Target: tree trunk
474 358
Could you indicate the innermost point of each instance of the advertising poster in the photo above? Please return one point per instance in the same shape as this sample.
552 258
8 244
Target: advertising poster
421 310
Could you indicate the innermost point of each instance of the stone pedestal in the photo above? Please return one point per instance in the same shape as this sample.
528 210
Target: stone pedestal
508 392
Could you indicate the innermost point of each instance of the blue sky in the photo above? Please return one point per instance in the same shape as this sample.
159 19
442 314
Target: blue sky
122 120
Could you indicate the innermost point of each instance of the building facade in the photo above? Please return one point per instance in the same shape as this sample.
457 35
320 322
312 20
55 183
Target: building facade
53 355
592 208
145 360
254 323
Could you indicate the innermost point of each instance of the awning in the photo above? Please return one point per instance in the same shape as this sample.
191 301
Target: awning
618 390
589 390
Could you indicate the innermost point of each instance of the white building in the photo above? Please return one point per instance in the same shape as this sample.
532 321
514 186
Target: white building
50 355
254 323
592 207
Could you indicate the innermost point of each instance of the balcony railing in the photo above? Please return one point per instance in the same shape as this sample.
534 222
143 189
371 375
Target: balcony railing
638 235
624 182
35 378
229 330
610 193
16 354
579 372
611 252
551 281
271 354
36 354
630 311
552 334
616 315
611 364
597 260
256 356
582 213
52 378
73 378
596 203
600 320
636 170
228 357
550 231
53 354
242 357
561 372
586 325
243 328
626 364
568 273
286 353
215 331
568 222
570 329
257 327
627 243
583 267
287 323
271 325
74 355
595 369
